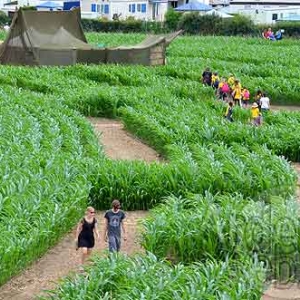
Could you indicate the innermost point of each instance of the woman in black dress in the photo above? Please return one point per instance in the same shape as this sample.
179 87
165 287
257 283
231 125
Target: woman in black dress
86 229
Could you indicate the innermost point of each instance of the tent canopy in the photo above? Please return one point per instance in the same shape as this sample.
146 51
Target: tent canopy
50 4
194 6
43 38
219 14
56 38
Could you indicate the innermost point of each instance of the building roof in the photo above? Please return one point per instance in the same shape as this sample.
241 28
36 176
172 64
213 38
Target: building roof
266 2
194 6
50 4
11 3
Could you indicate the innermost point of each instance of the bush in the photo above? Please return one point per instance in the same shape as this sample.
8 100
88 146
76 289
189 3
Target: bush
4 18
112 26
194 23
238 25
191 23
172 19
291 29
29 8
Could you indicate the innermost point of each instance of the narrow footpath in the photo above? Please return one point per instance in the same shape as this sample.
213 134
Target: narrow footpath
62 259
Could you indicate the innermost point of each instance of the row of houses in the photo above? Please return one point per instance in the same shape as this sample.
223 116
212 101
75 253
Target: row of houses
266 11
261 11
123 9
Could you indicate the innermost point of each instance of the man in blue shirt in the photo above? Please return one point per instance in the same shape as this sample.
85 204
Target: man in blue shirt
114 221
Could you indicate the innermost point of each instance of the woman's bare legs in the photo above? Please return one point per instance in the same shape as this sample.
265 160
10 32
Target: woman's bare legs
85 253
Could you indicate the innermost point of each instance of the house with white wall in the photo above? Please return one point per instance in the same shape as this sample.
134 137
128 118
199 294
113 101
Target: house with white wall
271 15
138 9
147 10
265 11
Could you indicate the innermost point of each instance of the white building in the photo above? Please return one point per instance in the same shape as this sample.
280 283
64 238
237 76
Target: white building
265 11
139 9
147 10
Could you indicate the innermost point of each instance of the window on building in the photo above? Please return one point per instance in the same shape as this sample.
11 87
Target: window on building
106 8
133 8
93 7
138 7
144 8
281 15
98 8
274 17
129 7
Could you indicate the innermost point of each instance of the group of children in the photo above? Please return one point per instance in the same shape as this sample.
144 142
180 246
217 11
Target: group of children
231 91
259 108
227 89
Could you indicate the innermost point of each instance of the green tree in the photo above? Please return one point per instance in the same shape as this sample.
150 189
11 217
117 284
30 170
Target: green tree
172 19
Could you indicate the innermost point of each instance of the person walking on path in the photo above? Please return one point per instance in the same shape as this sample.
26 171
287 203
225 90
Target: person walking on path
264 104
85 234
245 97
206 77
229 112
114 222
237 93
255 115
224 89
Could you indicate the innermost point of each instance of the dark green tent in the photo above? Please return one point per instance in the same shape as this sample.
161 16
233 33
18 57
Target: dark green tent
57 38
48 38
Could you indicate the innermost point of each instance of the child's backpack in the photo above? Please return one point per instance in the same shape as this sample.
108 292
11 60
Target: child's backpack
246 94
216 84
225 88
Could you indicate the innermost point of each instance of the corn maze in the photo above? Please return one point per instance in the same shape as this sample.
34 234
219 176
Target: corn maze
224 213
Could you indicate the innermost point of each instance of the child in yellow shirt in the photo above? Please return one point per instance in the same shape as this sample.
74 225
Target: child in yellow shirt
255 115
215 79
237 93
231 80
229 112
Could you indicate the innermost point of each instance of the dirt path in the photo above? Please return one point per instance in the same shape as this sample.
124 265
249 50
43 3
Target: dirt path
285 108
118 144
62 259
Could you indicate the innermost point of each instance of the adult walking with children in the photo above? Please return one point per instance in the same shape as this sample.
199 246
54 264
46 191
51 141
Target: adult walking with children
114 223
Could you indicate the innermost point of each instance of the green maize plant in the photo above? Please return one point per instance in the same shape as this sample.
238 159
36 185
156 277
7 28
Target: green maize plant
47 156
218 169
146 277
197 228
51 167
